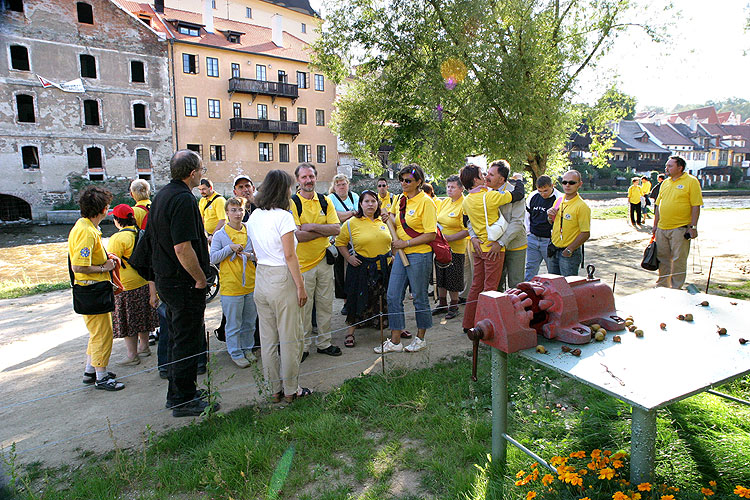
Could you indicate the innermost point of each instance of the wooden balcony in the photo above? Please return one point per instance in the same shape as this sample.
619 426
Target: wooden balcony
258 126
262 87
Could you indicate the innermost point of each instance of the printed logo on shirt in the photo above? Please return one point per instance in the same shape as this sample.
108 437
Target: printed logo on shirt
382 228
680 186
85 252
452 214
411 212
568 216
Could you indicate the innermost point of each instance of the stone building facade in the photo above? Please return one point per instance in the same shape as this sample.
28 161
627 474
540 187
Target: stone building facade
120 125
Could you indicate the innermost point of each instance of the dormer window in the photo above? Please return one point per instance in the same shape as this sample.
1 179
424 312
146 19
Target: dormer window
186 28
233 36
145 19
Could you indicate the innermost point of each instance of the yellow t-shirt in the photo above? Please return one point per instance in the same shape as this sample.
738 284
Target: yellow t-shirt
140 213
450 216
676 199
369 237
230 271
420 215
634 193
310 253
85 249
473 206
386 202
121 244
573 218
214 213
646 187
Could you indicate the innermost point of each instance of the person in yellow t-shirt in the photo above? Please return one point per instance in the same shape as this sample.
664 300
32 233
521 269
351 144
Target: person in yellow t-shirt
646 202
314 228
140 191
134 318
420 215
450 219
211 206
676 212
367 273
90 264
384 197
635 193
232 251
571 227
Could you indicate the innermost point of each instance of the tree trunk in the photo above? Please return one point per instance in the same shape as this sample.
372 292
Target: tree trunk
537 165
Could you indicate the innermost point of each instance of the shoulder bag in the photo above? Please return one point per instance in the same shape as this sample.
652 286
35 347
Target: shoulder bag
439 245
98 298
650 262
495 230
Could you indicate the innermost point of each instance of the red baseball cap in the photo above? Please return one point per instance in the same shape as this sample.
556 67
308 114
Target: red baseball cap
122 210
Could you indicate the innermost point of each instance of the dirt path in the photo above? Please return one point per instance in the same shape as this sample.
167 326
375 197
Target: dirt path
42 344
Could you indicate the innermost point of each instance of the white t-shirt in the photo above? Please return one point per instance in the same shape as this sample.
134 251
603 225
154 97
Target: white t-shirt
266 227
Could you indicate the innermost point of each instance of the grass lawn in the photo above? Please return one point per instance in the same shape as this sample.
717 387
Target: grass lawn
410 435
618 212
14 288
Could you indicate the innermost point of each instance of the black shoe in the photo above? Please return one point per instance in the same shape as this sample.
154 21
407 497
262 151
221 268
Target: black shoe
90 378
344 311
202 370
461 300
163 375
194 408
304 356
199 394
331 350
109 383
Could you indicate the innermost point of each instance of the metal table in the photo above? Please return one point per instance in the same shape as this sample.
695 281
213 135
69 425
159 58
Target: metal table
648 373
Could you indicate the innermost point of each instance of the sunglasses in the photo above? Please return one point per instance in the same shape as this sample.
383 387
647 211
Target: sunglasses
568 183
406 180
382 185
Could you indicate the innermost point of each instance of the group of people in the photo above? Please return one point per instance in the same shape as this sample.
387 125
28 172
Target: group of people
283 253
640 194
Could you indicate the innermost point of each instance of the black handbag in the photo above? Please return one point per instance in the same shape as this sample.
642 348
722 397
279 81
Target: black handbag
650 262
98 298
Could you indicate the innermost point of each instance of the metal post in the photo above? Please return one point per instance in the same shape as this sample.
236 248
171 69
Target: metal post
499 406
642 445
711 268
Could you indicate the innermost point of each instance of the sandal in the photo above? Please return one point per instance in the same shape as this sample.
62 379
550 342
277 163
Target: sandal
304 391
349 341
405 334
276 398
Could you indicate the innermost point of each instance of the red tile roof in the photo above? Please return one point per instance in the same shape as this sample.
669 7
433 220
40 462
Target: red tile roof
724 116
667 135
703 115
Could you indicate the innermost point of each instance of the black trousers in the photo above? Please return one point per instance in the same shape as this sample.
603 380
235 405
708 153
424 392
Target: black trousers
186 306
635 208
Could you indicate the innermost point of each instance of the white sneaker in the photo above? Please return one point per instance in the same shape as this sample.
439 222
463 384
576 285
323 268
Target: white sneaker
417 344
241 362
389 346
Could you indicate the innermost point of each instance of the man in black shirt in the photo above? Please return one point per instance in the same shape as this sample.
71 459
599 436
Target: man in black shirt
655 190
538 227
180 261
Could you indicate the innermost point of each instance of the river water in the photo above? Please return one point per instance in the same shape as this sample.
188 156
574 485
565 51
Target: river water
14 235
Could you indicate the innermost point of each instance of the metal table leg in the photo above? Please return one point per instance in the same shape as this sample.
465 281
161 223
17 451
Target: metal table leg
499 362
642 445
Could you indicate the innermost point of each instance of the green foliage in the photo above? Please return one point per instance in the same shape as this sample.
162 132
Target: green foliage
513 66
612 107
12 289
736 104
119 187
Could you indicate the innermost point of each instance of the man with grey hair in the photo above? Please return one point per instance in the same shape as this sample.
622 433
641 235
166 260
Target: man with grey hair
140 191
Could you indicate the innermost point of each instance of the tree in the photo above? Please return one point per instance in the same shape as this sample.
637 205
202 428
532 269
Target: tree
612 107
444 79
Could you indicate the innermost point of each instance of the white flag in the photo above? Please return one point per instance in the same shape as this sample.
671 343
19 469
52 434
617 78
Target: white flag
71 86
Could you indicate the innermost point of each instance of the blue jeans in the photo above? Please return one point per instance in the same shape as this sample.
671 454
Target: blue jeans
418 275
565 266
535 253
240 313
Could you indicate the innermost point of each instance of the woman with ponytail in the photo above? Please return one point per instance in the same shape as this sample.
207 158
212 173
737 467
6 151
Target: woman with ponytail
134 318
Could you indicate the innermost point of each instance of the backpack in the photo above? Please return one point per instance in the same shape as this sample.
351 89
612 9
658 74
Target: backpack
321 199
147 208
140 258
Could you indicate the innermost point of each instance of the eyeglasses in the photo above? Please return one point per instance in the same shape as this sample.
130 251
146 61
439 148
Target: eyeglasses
568 183
382 185
204 170
406 180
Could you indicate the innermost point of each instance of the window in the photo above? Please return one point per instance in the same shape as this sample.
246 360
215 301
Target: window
137 72
91 112
237 110
195 147
319 83
282 76
188 30
301 79
30 155
304 28
248 12
25 108
320 117
262 112
19 58
235 70
321 154
214 108
145 19
85 13
139 115
142 159
233 37
212 67
282 114
302 116
213 4
303 153
217 153
94 159
260 72
284 153
190 63
14 5
265 151
191 106
88 66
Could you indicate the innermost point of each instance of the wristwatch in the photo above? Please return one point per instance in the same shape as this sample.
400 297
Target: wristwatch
691 227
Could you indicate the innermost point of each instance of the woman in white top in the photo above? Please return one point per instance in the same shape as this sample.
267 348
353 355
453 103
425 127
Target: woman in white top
279 286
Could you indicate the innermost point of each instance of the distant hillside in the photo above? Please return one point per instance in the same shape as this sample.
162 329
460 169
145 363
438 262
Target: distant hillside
734 104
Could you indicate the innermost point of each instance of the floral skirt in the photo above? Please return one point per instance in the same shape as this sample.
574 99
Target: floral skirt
133 314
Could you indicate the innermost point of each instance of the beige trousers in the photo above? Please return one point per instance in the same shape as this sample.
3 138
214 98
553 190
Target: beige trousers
280 326
319 288
672 250
468 270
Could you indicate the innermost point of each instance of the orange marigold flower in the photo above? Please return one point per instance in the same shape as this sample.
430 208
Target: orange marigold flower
576 481
533 466
596 453
591 465
635 496
706 491
644 487
548 479
606 453
578 454
712 484
555 461
667 497
617 464
530 495
582 472
606 473
520 474
585 498
742 492
619 495
522 482
618 456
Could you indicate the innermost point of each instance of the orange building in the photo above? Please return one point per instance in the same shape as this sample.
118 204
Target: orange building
244 96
